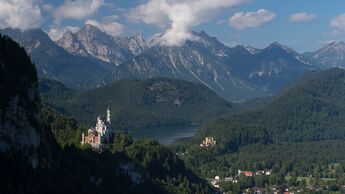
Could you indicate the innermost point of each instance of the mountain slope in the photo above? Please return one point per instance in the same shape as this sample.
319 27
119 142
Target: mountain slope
269 69
135 103
91 41
276 66
331 55
202 60
54 62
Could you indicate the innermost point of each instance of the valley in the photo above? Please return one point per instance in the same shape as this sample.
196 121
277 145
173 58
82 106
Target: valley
298 134
166 136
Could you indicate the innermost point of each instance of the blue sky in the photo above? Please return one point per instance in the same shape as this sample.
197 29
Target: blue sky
310 29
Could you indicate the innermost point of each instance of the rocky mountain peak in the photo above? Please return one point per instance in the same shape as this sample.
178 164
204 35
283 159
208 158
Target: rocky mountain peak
205 38
139 38
251 49
331 55
70 42
336 46
136 44
197 38
91 41
242 49
277 47
90 30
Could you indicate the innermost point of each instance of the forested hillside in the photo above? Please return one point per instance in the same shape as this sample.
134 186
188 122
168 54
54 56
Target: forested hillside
138 103
310 110
299 133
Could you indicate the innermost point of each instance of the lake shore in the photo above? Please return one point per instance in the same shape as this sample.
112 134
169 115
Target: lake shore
166 135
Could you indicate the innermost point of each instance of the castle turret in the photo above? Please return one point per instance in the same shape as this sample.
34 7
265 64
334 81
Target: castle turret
108 116
82 139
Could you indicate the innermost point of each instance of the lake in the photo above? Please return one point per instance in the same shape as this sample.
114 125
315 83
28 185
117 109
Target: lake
165 135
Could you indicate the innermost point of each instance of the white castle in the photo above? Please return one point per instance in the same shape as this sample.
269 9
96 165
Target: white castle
100 134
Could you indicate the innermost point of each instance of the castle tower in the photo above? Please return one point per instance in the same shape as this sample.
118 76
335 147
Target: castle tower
108 116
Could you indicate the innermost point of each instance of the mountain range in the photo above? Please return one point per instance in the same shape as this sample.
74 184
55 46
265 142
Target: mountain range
90 58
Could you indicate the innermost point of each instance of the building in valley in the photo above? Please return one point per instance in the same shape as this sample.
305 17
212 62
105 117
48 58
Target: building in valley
100 134
207 142
245 173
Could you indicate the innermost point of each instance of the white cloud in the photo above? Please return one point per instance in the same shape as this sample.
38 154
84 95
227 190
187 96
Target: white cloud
338 23
22 14
55 33
77 9
302 17
108 26
178 17
243 20
110 18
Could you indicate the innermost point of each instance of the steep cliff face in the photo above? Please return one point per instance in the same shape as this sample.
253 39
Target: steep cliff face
21 125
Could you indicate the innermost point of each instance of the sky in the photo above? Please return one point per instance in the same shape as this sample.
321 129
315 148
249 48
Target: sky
304 25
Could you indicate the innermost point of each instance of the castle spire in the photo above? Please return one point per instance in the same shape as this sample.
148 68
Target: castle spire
108 115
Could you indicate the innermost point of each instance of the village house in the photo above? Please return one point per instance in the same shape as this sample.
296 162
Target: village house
268 172
260 172
215 181
250 173
245 173
207 142
230 179
98 135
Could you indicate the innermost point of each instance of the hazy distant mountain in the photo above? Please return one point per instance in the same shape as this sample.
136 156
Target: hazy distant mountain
277 65
54 62
91 41
331 55
202 60
234 73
